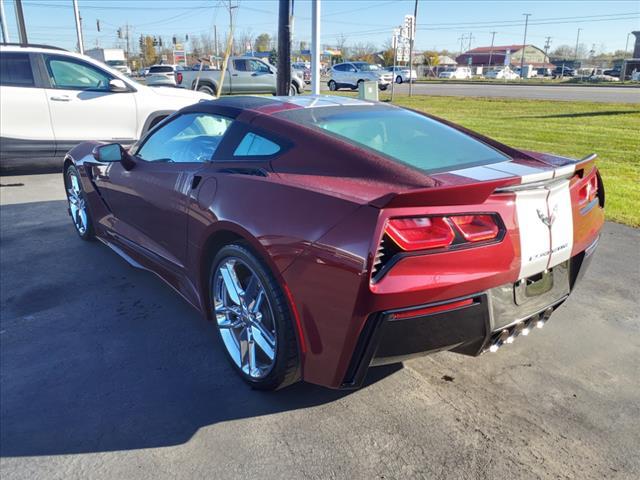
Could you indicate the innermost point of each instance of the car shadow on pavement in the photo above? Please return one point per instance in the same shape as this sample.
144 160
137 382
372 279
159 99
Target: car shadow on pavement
96 356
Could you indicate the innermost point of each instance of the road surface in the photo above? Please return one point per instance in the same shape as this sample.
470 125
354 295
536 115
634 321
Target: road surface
535 92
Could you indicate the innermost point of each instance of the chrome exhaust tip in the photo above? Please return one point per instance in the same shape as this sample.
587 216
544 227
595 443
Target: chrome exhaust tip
544 316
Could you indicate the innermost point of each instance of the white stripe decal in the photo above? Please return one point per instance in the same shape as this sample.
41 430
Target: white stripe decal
481 173
562 226
534 234
545 221
528 174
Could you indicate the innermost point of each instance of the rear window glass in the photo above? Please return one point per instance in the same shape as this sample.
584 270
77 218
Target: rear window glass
402 135
253 145
161 70
15 69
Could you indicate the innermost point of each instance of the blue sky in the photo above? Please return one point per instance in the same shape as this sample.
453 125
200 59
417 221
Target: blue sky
604 24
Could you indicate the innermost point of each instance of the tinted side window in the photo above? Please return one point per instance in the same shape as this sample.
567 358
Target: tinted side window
240 65
68 73
160 70
15 69
253 145
192 137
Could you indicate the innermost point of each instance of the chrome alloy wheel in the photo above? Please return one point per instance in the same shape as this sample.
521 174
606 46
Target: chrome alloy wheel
77 205
245 317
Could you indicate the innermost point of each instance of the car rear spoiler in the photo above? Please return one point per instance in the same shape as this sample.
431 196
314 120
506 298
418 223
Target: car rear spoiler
477 192
472 193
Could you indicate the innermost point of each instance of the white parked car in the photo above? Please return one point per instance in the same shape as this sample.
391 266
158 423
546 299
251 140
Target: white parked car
52 99
502 73
460 73
163 75
402 74
350 74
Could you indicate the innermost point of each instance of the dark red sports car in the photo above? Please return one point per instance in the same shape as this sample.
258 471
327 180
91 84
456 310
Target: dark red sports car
324 234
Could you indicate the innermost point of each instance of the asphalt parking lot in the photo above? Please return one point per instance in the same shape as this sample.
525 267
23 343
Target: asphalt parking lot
107 373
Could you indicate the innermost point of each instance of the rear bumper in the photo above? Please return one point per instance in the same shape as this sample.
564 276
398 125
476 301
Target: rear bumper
472 325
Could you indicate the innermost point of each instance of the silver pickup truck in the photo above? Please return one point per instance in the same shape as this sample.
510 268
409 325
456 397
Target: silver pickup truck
244 75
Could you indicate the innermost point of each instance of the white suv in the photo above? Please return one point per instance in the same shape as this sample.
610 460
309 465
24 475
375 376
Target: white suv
350 74
52 99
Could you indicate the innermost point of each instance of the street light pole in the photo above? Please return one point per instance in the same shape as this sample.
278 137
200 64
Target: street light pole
524 43
283 84
411 44
315 47
78 26
626 45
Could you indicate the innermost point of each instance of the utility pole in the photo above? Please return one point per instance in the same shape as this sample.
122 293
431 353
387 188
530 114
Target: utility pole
524 43
215 44
315 47
283 84
411 44
5 31
547 46
626 45
471 37
462 38
127 38
78 26
22 29
227 52
493 36
575 54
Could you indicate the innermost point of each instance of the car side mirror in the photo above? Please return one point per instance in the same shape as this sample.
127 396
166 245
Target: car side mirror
116 85
113 152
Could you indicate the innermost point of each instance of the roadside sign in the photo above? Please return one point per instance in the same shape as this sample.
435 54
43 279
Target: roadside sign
410 26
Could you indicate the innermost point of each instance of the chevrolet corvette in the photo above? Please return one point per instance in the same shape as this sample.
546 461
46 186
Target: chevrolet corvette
323 235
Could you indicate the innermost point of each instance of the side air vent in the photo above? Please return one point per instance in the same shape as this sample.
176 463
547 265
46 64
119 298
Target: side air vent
386 250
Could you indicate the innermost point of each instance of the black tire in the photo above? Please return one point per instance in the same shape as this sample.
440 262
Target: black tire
293 90
382 87
399 79
333 86
286 369
357 87
89 233
207 89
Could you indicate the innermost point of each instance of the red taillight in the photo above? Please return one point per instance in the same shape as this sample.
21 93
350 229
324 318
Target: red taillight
420 233
589 191
476 228
179 78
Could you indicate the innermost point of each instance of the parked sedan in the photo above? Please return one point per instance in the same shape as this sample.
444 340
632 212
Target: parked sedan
323 235
402 74
460 73
502 73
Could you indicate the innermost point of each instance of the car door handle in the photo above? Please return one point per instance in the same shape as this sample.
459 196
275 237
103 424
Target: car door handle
61 98
234 74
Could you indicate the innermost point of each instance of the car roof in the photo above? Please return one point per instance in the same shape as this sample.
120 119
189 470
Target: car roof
235 105
31 47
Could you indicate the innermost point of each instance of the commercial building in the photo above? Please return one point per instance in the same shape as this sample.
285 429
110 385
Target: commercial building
495 56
